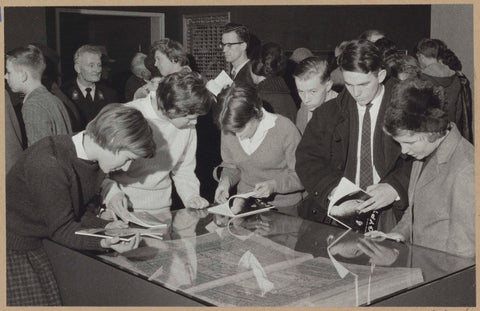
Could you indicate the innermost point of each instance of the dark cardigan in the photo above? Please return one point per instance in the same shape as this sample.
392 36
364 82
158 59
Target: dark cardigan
47 193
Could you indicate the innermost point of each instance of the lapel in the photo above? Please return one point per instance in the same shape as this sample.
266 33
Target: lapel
347 108
429 172
385 149
99 94
415 174
77 94
243 75
347 125
440 157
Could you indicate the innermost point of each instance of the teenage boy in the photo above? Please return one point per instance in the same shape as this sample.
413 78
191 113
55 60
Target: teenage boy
50 192
43 113
312 78
344 138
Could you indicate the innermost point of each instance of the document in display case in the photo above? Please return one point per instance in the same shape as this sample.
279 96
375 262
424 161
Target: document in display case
227 271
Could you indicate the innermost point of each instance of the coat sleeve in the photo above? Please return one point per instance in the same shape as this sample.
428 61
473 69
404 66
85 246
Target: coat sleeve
404 226
461 235
183 174
313 165
230 169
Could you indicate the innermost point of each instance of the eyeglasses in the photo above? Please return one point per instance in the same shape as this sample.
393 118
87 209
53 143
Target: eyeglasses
228 45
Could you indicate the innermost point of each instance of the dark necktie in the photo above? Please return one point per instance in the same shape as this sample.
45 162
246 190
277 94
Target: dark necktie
233 73
366 168
89 95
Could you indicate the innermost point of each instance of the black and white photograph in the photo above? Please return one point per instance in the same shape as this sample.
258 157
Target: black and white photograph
129 126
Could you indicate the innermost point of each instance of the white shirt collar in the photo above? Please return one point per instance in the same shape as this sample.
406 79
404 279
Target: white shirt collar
152 111
239 67
78 143
83 87
376 102
249 145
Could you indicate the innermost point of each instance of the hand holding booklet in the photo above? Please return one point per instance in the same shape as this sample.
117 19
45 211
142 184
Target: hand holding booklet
217 84
225 209
343 206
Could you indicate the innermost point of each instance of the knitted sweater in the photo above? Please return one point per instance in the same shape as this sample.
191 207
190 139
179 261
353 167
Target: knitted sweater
44 115
273 159
148 182
47 192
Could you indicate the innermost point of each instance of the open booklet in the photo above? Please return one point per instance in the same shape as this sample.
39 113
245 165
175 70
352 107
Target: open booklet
248 203
125 234
217 84
346 197
144 219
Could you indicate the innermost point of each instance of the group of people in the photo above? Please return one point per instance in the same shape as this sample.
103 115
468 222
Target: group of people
400 141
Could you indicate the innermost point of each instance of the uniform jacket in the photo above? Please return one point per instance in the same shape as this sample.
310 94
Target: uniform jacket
328 149
441 212
103 96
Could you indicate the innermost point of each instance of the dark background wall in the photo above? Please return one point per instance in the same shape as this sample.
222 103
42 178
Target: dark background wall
18 32
323 27
316 27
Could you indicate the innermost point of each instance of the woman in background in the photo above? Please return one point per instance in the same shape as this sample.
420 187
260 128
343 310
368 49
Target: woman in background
267 72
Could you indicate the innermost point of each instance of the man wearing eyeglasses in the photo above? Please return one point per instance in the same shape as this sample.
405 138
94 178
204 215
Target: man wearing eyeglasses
234 44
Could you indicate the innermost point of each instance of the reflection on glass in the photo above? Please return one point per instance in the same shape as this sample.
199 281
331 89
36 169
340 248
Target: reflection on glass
248 262
278 260
355 248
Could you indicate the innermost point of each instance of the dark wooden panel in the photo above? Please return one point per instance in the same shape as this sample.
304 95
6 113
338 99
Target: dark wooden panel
457 290
85 281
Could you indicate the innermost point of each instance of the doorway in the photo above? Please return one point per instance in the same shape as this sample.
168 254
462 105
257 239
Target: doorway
121 33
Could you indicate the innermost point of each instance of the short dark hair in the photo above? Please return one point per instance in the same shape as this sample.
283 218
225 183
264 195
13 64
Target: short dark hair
118 127
400 63
272 61
449 58
172 49
241 31
238 104
386 46
183 93
312 66
417 106
428 48
361 56
30 57
368 34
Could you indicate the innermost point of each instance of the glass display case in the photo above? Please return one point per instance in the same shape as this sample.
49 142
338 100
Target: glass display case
268 259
